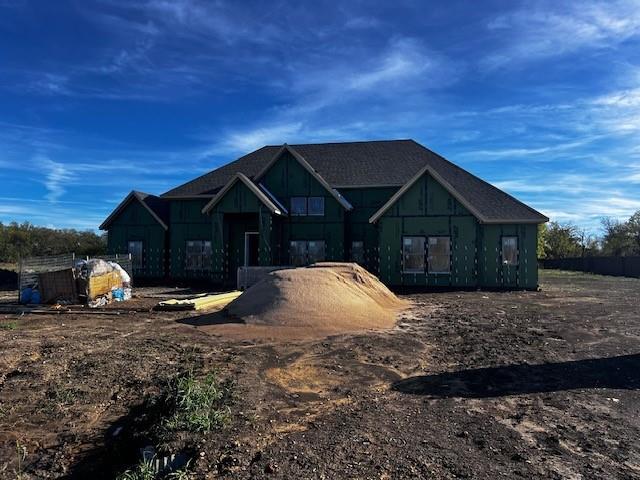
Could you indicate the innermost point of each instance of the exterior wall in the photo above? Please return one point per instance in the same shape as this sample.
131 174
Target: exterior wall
135 223
188 223
491 272
239 211
427 209
365 202
287 178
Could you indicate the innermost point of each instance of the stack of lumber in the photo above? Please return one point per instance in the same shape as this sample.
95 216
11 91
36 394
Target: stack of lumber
199 302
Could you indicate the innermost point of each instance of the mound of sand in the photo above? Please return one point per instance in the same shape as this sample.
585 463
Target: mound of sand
324 296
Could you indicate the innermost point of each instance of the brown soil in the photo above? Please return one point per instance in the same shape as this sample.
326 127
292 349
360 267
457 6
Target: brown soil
467 385
326 297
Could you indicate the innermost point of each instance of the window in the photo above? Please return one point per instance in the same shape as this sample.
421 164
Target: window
301 206
439 255
135 249
509 250
316 251
303 252
357 251
298 253
413 254
298 206
315 206
198 255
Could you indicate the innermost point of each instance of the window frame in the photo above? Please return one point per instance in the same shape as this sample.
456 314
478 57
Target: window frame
429 255
517 252
292 211
305 255
139 263
324 251
204 266
321 214
352 257
424 254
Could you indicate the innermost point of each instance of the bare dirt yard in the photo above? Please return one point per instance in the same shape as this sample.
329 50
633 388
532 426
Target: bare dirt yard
467 385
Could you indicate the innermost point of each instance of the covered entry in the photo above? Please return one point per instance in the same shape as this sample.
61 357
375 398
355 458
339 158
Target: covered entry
243 215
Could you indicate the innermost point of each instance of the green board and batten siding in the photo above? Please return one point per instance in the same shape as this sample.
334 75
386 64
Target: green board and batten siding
135 223
491 271
365 202
427 209
187 222
287 178
239 211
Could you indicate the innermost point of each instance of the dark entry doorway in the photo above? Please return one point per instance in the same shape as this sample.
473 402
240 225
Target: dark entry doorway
251 244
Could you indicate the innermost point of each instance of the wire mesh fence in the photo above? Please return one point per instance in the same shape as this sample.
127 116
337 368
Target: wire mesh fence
31 267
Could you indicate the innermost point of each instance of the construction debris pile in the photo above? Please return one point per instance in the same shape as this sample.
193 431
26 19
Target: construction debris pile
203 301
328 297
94 282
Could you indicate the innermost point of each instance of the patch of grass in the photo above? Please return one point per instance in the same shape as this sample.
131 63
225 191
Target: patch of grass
182 474
198 405
145 471
9 325
21 452
142 471
62 396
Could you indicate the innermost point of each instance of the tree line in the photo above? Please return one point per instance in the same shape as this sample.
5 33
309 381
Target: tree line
27 240
557 240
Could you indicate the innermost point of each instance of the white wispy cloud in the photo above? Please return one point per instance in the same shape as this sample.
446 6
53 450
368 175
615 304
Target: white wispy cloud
56 176
404 64
501 153
251 139
537 33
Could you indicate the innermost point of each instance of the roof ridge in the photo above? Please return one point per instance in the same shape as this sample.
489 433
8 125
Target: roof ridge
349 142
457 167
213 170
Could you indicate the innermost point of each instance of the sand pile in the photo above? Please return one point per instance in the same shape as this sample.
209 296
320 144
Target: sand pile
324 296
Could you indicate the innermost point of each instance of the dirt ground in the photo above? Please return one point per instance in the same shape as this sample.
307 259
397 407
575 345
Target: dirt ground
468 385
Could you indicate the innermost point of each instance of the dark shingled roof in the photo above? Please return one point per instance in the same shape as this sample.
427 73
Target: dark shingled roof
158 207
373 163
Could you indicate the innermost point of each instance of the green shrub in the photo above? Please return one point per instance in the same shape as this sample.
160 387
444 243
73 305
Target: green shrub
198 405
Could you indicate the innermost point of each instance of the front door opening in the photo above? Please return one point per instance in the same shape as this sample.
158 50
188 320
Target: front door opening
251 244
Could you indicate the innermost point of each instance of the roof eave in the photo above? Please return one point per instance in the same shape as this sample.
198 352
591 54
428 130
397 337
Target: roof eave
307 166
251 186
447 186
188 197
105 225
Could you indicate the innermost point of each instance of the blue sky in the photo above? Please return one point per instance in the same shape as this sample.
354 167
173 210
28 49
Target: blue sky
541 99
